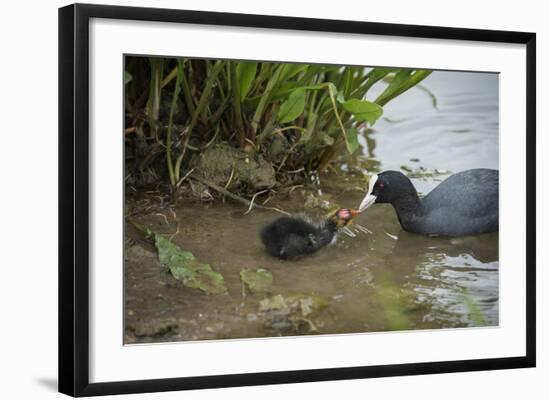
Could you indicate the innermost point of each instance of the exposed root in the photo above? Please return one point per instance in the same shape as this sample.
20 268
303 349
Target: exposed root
184 177
230 178
253 199
176 233
164 216
235 197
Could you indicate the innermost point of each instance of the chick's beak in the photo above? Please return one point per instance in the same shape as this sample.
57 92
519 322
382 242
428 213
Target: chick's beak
343 217
353 214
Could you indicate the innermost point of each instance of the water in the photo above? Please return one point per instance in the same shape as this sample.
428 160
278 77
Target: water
386 280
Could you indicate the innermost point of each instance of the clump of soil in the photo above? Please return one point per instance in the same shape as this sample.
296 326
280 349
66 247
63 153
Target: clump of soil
223 164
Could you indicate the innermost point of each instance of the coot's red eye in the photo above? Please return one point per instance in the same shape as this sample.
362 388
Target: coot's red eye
381 185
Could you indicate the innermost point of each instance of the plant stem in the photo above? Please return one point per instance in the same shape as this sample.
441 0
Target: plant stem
153 104
268 128
171 124
171 75
203 102
265 97
187 95
236 99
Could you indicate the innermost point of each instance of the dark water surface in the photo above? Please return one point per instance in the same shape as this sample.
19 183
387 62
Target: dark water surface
383 280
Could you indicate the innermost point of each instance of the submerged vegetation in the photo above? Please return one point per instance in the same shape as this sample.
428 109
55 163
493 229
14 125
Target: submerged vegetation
245 126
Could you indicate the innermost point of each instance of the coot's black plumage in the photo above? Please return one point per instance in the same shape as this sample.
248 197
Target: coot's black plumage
466 203
292 237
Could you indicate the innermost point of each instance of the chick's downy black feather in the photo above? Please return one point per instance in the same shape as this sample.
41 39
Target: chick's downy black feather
291 237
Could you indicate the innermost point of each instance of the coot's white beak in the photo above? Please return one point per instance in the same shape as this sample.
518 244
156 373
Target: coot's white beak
369 199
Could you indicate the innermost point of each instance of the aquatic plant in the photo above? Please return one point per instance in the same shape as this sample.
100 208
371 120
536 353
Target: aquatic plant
295 116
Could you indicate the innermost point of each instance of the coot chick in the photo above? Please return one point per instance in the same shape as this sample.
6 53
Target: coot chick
292 237
466 203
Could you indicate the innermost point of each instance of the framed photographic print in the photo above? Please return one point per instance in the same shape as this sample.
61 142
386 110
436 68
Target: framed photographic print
250 199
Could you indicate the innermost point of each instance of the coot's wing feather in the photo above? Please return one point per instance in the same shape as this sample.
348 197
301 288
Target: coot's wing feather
470 194
449 221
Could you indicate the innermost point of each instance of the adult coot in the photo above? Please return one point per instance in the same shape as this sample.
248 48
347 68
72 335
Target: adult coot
292 237
465 203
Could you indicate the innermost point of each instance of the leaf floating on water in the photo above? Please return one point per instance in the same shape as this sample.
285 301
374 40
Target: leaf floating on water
291 313
256 280
308 305
186 268
276 302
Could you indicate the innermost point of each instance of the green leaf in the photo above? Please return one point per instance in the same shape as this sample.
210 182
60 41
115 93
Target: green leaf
400 83
352 139
397 81
246 71
363 110
185 268
292 107
332 89
340 97
271 84
288 87
256 281
291 313
127 77
327 140
376 74
290 70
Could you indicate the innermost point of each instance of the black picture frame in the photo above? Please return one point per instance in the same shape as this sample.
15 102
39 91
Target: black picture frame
74 198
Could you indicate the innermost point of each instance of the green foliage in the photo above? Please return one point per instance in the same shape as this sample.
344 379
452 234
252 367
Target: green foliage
293 106
401 82
291 312
186 268
246 71
256 281
352 139
316 108
363 110
290 70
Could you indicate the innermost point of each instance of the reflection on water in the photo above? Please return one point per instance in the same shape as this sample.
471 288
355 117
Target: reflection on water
385 280
461 133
